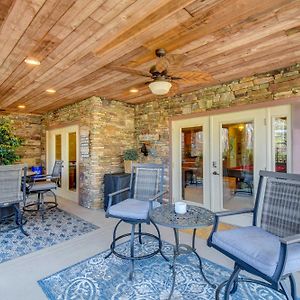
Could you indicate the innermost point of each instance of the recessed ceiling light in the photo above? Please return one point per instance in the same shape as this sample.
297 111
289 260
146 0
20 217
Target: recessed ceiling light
51 91
21 106
32 61
133 90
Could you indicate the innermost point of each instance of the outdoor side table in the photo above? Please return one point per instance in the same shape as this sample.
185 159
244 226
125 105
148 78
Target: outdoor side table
194 218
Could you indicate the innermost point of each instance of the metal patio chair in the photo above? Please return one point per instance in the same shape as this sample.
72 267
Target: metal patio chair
270 248
13 190
144 193
42 184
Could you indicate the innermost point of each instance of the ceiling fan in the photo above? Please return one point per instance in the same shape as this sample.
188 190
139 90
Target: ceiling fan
165 72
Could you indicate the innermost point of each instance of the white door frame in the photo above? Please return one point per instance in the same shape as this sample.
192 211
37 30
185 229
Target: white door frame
50 146
177 157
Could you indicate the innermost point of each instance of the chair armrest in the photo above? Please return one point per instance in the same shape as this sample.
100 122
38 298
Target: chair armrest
221 214
118 192
41 177
234 212
110 199
290 239
158 195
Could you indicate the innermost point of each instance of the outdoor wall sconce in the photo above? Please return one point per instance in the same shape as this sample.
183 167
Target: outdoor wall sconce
144 149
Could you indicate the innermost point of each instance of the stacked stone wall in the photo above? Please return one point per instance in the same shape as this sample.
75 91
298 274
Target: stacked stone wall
27 127
153 117
111 131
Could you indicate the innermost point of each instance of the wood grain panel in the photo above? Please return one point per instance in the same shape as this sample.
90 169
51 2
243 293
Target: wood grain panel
80 44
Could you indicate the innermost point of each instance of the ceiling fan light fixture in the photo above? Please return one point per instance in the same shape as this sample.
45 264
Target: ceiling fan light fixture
160 87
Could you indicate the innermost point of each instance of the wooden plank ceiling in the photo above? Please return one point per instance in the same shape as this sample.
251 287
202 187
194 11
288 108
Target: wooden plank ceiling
81 44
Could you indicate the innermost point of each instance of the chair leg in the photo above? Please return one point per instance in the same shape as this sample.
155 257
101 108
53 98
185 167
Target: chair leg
55 198
231 285
286 291
132 251
140 233
19 219
42 203
293 287
113 244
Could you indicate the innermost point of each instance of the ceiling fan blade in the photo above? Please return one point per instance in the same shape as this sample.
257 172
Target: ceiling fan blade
131 71
192 76
176 59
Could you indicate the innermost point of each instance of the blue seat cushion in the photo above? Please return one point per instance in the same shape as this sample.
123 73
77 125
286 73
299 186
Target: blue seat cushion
130 209
257 248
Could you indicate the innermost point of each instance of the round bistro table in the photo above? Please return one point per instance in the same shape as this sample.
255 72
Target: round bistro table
195 217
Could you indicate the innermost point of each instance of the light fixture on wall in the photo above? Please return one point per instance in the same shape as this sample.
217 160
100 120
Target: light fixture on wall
160 87
144 149
21 106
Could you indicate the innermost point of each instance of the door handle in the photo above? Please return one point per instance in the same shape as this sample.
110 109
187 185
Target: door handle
215 173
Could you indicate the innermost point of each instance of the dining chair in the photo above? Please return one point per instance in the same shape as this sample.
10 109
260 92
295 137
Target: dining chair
41 184
144 193
270 248
13 190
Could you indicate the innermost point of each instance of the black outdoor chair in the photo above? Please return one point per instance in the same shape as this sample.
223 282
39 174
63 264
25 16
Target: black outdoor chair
144 193
270 248
42 184
13 190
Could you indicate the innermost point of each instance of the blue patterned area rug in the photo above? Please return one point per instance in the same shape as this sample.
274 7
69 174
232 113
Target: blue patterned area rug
107 279
57 227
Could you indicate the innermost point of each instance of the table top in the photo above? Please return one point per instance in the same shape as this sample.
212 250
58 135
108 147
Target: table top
195 217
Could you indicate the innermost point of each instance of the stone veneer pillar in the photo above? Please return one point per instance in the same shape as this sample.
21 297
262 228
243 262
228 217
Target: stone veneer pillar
111 131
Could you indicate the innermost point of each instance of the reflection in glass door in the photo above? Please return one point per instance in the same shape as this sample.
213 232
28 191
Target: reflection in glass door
280 143
192 164
238 164
72 161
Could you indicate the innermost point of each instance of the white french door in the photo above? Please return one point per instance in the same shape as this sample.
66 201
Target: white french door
190 161
216 159
238 153
62 144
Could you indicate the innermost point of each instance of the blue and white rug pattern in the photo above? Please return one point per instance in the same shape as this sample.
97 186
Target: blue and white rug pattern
57 227
107 279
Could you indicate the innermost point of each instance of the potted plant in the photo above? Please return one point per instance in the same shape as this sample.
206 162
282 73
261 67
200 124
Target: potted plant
130 155
9 142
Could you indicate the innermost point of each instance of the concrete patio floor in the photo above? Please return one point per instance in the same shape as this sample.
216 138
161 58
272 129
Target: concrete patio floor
19 276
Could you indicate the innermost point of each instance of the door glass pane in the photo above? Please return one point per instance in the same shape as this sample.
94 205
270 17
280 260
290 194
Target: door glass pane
72 161
58 151
192 164
280 143
58 147
237 157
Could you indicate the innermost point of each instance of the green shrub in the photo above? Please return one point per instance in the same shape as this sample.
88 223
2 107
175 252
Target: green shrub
9 143
131 154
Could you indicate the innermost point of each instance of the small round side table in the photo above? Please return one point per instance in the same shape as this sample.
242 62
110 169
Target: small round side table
195 217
